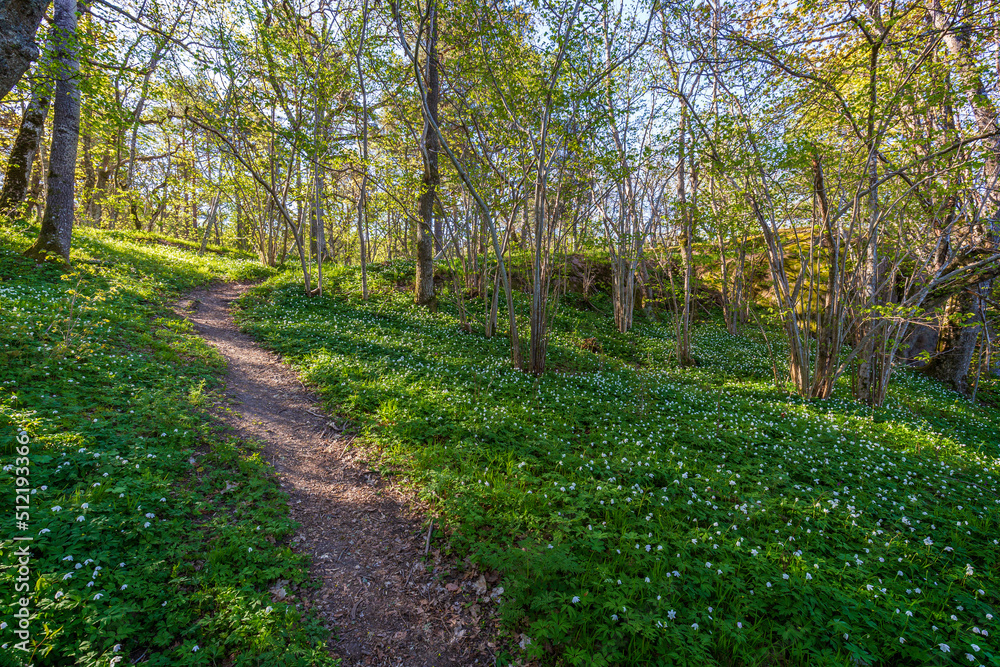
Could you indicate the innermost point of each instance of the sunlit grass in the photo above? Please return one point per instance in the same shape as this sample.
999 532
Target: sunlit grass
136 556
647 514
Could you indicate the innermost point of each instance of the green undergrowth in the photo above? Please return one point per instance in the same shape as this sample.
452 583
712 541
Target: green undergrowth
644 514
154 536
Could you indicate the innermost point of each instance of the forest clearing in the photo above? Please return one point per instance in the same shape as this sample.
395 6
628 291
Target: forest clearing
509 333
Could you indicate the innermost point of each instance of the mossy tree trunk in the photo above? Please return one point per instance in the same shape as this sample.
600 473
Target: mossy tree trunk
22 154
424 279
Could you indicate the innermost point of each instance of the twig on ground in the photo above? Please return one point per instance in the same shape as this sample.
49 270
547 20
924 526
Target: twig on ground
427 547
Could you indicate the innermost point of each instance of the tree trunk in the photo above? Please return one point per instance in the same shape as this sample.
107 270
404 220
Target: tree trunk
684 324
424 279
363 194
208 222
22 154
19 21
956 38
867 387
319 185
829 325
36 194
957 343
57 223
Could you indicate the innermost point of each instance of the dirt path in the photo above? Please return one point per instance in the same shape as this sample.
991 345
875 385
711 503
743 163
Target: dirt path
366 542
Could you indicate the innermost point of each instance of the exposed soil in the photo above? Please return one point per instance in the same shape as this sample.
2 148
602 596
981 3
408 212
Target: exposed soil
386 601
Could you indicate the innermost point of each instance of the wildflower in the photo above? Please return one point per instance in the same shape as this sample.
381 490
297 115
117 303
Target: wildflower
575 599
694 625
614 617
195 647
974 648
59 594
671 614
945 648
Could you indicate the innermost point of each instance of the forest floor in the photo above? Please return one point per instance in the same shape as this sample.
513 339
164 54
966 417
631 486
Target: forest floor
389 598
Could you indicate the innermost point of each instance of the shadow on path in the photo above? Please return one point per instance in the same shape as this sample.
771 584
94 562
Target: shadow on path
365 539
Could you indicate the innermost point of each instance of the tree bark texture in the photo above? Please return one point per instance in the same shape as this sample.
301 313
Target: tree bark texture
22 154
424 280
57 222
957 343
19 21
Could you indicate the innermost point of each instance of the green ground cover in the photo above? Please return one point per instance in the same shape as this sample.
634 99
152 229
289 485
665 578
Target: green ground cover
155 538
645 514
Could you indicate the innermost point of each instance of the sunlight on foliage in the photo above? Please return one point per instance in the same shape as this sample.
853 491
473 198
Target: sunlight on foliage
643 512
137 555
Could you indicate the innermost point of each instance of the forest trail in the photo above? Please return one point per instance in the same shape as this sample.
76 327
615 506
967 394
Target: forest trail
366 541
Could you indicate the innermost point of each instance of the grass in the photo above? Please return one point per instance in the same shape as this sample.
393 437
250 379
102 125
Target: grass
644 514
155 535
